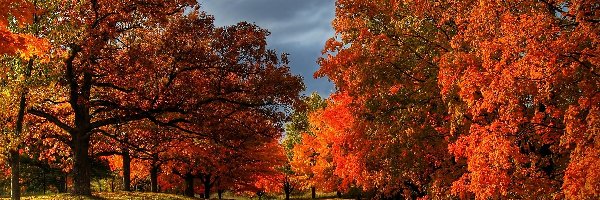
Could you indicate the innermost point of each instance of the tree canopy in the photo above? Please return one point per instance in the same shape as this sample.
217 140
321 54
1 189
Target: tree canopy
434 100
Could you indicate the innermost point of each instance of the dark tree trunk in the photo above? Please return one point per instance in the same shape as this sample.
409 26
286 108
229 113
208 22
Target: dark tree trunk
126 170
154 179
260 194
207 186
15 187
66 182
339 194
189 185
61 184
313 192
112 184
44 181
81 165
15 157
287 188
220 192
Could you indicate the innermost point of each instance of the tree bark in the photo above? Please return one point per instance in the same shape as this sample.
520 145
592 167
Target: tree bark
260 194
15 187
44 181
64 184
189 185
61 183
313 192
207 185
15 157
81 165
112 184
287 188
154 179
220 192
126 170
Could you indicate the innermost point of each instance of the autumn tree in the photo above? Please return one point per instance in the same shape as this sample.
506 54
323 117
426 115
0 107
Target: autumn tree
389 121
142 141
240 171
522 84
277 177
294 133
116 71
239 147
20 42
510 88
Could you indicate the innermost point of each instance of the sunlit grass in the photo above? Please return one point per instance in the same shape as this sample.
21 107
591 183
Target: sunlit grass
161 196
111 196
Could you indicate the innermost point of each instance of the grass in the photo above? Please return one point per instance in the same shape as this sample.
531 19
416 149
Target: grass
161 196
110 196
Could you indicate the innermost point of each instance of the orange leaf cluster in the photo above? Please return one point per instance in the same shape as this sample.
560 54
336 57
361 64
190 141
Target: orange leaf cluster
483 99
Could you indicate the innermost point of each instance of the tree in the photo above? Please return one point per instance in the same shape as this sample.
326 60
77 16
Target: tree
245 147
514 78
117 72
510 88
16 84
387 117
295 130
82 71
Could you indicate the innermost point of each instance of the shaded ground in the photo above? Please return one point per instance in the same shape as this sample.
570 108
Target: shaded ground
157 196
112 196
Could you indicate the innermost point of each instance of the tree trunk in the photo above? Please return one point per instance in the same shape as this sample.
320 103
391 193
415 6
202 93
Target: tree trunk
44 181
112 184
260 194
15 157
189 185
207 186
15 187
64 184
81 165
61 183
126 170
154 179
313 192
220 192
287 188
339 194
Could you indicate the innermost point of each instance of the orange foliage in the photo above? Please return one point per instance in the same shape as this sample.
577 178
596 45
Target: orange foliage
489 99
140 169
167 63
12 43
321 155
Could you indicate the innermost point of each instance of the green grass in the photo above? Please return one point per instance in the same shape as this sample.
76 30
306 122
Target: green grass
111 196
161 196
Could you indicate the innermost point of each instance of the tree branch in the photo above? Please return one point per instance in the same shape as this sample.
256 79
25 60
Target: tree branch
51 118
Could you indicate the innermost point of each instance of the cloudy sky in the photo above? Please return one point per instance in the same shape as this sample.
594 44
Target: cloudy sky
298 27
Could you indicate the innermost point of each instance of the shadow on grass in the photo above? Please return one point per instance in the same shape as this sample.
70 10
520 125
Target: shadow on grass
109 196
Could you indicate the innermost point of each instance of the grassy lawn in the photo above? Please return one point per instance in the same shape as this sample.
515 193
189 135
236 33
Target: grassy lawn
160 196
111 196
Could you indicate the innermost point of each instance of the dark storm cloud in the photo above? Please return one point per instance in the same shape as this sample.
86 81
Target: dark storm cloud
298 27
